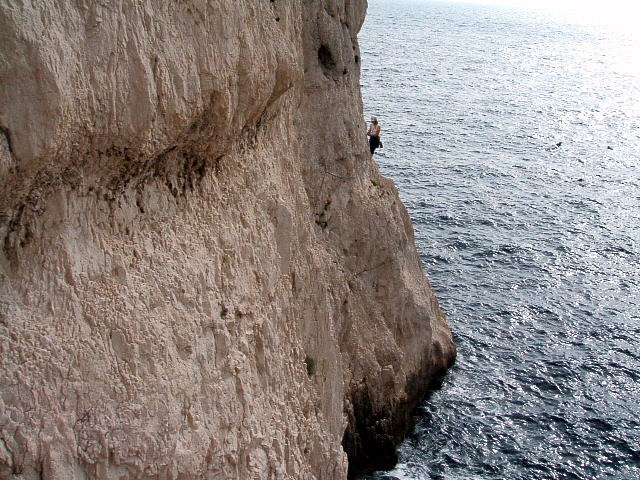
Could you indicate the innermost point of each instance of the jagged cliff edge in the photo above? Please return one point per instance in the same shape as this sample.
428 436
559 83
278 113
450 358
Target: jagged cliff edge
202 274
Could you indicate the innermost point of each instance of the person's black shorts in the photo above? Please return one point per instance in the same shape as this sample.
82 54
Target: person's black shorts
374 142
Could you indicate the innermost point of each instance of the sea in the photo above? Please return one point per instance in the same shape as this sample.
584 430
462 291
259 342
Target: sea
513 136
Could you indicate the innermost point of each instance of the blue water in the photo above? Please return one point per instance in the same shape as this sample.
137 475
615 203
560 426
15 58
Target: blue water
533 249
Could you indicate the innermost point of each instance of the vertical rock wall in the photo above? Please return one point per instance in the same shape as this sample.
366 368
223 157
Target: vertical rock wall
202 273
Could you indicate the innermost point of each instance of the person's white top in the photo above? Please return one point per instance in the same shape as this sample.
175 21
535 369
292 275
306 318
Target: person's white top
374 130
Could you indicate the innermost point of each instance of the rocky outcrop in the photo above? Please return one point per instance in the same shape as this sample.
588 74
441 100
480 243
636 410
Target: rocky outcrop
203 274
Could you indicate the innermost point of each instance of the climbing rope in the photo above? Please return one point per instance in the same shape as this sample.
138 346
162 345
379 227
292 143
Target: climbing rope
341 177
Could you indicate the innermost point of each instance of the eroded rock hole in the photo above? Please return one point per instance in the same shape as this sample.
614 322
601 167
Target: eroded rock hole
326 58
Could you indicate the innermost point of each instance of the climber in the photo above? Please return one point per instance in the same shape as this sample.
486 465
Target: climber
374 135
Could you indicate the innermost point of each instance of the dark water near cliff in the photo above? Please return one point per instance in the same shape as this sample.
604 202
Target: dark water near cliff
534 251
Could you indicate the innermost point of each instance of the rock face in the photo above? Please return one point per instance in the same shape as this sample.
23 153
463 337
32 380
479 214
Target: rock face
202 275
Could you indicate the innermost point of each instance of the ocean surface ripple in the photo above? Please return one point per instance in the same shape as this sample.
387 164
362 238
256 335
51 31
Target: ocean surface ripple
533 247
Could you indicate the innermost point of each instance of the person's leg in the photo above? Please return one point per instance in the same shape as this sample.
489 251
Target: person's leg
374 142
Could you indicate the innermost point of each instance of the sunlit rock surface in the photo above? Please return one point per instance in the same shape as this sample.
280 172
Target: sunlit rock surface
202 275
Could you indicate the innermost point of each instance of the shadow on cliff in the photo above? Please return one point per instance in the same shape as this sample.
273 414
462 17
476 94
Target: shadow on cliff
372 435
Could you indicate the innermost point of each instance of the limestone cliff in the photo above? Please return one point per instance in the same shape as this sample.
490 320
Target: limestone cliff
202 274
